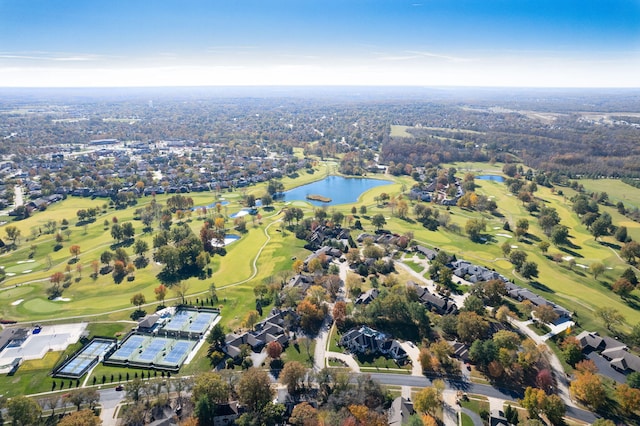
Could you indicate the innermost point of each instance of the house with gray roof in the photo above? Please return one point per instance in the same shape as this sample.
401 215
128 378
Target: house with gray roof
366 339
400 411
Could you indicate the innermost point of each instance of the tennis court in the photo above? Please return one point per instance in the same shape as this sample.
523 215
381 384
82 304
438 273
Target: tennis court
82 360
150 350
127 349
153 350
191 321
179 352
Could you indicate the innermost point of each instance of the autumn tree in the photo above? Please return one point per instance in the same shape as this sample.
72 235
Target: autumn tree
471 326
588 388
161 293
427 401
630 251
254 389
311 316
545 314
622 287
340 313
80 418
274 349
304 414
75 251
292 376
628 398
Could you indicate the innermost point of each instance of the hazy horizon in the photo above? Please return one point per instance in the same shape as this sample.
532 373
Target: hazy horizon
433 43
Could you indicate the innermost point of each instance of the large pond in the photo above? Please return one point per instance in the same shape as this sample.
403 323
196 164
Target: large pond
341 190
495 178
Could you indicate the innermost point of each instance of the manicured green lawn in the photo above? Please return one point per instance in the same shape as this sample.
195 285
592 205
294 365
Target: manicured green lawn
466 420
414 266
300 352
476 403
616 189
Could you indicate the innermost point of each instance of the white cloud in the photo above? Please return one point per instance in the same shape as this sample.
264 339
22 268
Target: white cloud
509 71
50 56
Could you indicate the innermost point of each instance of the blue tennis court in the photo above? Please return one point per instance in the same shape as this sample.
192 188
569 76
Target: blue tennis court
178 353
190 321
129 347
85 357
201 323
178 321
152 351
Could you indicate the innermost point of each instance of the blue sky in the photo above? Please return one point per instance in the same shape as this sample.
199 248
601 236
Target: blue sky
308 42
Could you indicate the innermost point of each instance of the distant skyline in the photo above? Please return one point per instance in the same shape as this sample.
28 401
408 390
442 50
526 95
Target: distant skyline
499 43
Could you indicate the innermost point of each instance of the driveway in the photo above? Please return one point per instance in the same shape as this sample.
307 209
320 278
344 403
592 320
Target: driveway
561 379
347 359
414 355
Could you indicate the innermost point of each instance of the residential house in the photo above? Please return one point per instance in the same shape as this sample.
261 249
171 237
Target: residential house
368 340
367 297
614 351
440 305
400 411
430 254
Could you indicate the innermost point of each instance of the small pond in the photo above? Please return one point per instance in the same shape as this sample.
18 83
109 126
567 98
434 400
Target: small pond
339 189
495 178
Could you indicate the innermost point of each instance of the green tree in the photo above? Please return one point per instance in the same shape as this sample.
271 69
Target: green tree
610 316
543 246
138 300
517 257
560 235
596 269
140 247
211 387
106 257
23 411
117 232
474 229
13 233
529 270
205 411
128 231
621 234
378 221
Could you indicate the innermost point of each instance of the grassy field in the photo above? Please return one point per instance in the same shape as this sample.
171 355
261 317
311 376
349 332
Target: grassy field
400 131
616 189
